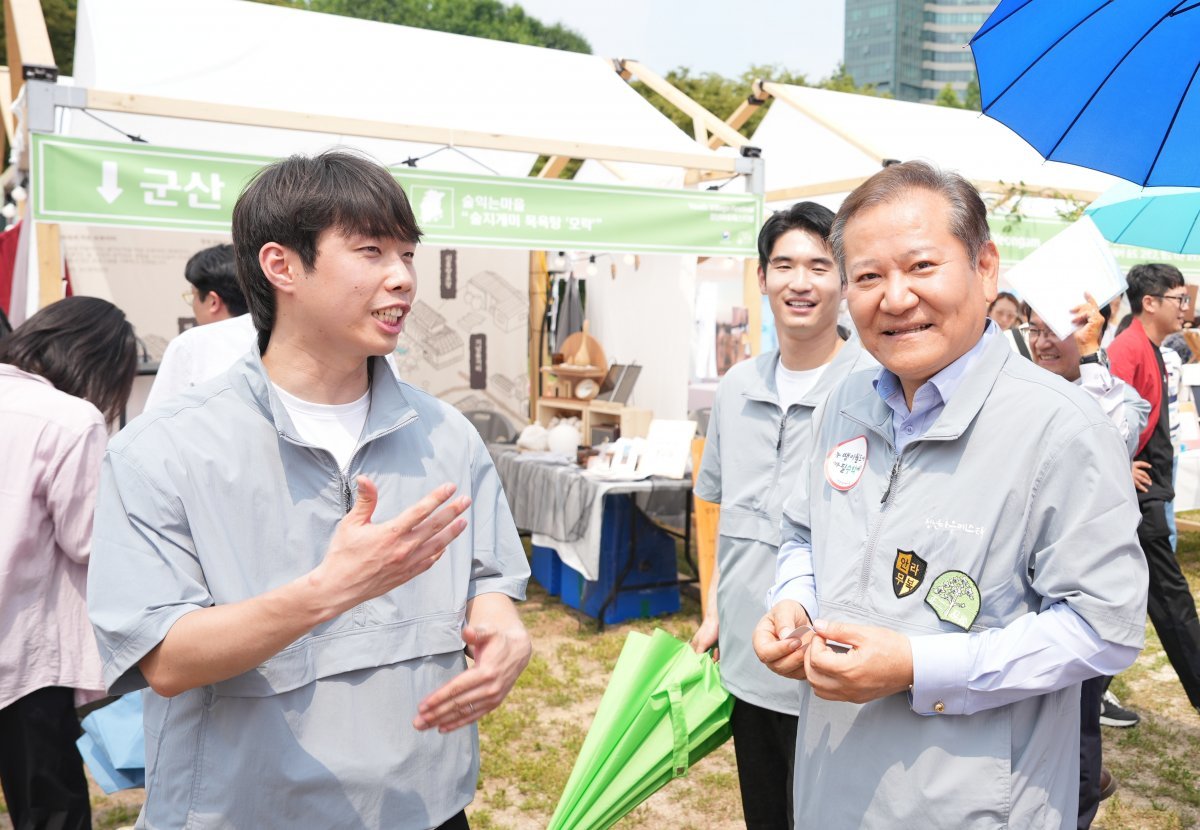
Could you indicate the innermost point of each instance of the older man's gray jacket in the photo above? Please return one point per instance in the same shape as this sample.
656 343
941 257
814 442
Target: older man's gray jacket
1023 485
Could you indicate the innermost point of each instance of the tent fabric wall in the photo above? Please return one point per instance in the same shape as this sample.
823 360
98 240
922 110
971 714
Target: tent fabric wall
839 135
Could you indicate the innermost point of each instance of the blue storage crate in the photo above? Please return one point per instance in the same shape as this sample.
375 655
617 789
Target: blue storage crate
547 569
654 562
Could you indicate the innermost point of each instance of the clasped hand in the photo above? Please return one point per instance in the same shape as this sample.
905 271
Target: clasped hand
878 664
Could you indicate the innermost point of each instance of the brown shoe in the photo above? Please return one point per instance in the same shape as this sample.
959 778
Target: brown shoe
1108 783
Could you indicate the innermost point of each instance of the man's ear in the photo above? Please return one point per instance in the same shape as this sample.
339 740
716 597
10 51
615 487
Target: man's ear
762 280
280 266
988 270
214 303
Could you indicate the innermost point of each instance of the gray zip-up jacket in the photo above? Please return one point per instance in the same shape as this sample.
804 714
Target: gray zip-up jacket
752 456
1023 485
212 499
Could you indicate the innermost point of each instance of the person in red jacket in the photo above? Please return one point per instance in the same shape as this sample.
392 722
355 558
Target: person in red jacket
1160 303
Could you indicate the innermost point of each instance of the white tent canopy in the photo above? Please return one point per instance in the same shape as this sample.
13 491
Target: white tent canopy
821 143
228 52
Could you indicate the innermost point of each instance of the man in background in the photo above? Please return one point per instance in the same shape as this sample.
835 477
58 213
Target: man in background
223 331
1160 303
758 436
1080 360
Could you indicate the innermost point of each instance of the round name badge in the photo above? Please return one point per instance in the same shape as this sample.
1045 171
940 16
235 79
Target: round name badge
845 463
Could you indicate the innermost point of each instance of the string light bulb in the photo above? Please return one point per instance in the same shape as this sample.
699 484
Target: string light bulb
591 270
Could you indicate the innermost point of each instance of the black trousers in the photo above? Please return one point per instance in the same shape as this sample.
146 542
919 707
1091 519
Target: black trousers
458 822
764 742
1090 748
1172 609
40 768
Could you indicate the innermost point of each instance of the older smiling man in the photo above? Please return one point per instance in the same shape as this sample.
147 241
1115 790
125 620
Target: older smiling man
966 525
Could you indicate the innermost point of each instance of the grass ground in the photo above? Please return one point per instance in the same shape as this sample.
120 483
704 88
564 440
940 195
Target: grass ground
529 745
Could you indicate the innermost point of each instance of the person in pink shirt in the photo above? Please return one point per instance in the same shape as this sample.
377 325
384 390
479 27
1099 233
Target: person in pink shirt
65 375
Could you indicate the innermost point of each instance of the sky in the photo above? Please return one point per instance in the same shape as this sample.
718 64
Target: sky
725 36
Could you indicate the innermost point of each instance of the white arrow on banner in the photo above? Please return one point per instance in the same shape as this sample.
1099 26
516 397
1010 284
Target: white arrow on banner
108 189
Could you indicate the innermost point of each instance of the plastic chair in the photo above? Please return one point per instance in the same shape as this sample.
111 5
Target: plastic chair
493 427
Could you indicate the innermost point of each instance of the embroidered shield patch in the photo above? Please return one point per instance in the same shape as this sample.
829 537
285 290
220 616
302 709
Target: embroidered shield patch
954 597
907 572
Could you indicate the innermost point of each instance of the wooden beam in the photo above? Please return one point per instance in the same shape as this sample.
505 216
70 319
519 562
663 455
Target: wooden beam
538 282
50 270
789 194
752 297
698 131
663 87
107 101
757 97
783 93
6 100
612 168
27 41
553 167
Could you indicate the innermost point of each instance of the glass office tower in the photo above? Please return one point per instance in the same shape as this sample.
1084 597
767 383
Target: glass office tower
912 49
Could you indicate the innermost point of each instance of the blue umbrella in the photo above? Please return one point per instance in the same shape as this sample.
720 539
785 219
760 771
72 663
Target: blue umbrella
1106 84
1163 218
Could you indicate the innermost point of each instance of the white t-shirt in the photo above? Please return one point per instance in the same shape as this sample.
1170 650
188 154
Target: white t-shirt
334 427
793 386
200 354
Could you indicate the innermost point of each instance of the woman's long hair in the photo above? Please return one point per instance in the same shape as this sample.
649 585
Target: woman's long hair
82 345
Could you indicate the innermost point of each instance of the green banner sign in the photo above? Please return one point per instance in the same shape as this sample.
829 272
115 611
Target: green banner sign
1017 240
102 183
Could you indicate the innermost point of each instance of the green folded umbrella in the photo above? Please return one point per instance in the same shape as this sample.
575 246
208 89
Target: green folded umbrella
664 710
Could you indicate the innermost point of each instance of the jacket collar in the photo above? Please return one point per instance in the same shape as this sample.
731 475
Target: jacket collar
763 387
389 408
960 410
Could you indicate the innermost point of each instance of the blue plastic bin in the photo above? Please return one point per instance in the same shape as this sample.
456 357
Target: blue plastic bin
654 562
547 569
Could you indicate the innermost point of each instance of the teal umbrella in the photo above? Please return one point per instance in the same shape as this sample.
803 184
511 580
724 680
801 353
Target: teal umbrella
1162 218
664 709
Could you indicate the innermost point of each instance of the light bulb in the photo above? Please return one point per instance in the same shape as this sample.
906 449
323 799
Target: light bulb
560 261
19 193
628 259
591 267
8 211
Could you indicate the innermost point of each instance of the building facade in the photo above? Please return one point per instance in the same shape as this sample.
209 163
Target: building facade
911 48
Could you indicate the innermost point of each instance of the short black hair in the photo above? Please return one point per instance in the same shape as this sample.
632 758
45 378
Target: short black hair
293 201
213 269
84 346
804 216
1148 279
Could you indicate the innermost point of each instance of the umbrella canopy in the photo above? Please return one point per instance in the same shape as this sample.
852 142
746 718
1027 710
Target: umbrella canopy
1163 218
1106 84
664 709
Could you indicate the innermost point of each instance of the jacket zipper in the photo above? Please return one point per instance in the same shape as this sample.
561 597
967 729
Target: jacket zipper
873 540
779 449
342 477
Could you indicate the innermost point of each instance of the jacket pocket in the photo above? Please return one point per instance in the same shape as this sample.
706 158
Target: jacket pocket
739 524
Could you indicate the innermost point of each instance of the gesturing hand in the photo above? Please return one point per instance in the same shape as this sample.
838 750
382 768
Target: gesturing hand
878 664
1090 321
782 654
500 655
367 559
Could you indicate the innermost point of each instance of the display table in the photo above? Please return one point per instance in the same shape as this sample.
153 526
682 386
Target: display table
1187 482
568 512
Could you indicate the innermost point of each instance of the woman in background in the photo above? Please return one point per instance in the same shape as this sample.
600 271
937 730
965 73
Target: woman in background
65 375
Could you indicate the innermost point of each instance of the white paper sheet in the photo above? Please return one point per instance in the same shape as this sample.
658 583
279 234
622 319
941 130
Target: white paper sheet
1054 277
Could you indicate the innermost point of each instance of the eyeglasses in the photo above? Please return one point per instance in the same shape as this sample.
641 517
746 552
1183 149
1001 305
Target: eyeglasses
1185 301
1033 332
188 297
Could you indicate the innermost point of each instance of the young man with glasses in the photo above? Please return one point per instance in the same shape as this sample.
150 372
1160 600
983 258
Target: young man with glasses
1160 303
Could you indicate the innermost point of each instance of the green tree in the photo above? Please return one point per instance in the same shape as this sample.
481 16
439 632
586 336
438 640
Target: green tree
60 25
721 95
479 18
948 98
971 98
